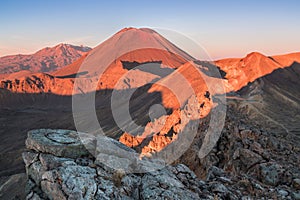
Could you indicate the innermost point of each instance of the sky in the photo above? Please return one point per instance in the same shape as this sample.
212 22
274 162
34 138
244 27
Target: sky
222 28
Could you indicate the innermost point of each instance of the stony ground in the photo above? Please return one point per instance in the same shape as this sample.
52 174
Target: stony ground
247 163
258 163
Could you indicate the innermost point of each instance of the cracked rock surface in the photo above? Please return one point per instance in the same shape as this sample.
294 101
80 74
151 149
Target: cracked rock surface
59 167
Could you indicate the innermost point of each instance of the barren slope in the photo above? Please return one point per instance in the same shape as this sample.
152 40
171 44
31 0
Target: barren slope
273 101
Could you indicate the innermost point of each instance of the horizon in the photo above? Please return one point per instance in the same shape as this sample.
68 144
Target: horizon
229 30
77 45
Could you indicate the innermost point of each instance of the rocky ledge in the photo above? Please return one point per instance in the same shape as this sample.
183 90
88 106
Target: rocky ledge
58 166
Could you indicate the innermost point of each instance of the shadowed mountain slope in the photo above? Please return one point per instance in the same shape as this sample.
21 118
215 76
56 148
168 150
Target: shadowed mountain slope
274 100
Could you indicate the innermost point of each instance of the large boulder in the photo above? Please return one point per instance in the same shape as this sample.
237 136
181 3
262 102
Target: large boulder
62 143
58 166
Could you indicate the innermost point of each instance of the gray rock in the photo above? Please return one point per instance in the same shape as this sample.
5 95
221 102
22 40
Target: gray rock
50 162
183 169
114 161
130 184
60 177
249 158
106 188
78 181
162 180
33 196
101 195
163 184
65 179
35 172
62 143
296 183
13 188
104 172
84 162
147 165
219 188
52 190
29 158
172 193
57 169
296 195
224 179
270 173
283 193
29 186
214 172
110 146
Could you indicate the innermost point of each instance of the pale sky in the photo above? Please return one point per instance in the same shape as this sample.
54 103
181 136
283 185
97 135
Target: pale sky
222 28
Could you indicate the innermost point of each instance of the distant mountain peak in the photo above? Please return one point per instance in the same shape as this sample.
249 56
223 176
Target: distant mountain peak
242 71
254 56
45 60
255 53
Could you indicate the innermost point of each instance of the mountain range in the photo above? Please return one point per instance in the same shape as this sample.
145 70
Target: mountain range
44 60
161 62
36 92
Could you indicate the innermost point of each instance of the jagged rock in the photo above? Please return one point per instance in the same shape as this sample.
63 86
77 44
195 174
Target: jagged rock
130 184
74 181
52 190
63 177
247 157
35 171
106 189
67 178
29 158
62 143
29 186
104 172
185 175
163 184
50 162
214 172
219 188
78 181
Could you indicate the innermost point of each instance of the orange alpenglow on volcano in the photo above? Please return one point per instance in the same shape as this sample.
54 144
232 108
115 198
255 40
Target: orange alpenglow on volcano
142 58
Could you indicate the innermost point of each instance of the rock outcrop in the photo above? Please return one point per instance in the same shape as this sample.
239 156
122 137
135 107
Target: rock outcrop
59 167
259 164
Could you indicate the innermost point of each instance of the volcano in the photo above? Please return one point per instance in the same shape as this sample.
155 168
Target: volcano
140 61
165 90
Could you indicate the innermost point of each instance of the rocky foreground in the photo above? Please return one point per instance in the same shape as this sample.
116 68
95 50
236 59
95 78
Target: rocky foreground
59 167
